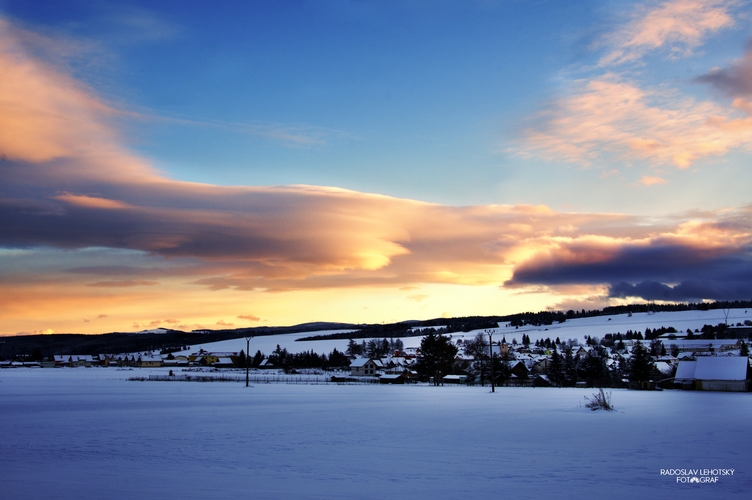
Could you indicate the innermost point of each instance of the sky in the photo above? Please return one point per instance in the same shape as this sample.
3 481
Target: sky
230 164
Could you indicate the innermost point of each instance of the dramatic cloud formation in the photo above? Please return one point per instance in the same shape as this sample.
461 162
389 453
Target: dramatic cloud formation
614 117
87 223
703 260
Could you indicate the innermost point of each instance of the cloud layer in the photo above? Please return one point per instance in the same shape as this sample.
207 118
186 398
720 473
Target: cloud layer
68 183
676 27
610 115
692 261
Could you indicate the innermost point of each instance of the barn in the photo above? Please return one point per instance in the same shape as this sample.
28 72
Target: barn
715 373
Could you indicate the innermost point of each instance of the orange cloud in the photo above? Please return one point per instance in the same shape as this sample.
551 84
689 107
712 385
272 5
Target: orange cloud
123 283
91 201
45 113
681 25
651 181
608 116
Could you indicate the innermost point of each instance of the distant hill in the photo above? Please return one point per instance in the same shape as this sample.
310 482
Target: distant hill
32 347
35 347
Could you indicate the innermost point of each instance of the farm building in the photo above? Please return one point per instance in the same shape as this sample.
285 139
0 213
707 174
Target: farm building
715 373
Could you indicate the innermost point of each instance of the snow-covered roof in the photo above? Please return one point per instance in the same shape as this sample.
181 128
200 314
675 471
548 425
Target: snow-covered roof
721 368
360 362
685 370
663 367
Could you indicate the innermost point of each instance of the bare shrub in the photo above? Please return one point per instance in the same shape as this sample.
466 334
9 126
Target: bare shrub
600 401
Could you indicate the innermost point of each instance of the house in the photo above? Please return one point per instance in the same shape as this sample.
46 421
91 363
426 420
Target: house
685 375
266 364
519 370
121 360
61 360
75 360
175 361
541 364
463 362
84 360
454 379
149 361
664 368
203 358
396 378
223 362
364 367
715 373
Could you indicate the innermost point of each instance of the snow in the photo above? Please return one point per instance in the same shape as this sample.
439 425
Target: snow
90 433
723 368
268 343
598 326
578 328
685 370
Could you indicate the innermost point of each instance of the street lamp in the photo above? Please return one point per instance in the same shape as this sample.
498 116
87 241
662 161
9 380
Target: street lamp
490 352
247 356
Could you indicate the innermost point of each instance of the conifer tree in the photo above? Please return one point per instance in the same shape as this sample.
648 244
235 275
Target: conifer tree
556 369
570 369
640 366
436 358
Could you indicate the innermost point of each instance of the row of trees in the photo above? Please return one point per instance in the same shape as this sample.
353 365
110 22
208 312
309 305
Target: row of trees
566 370
374 348
437 359
281 358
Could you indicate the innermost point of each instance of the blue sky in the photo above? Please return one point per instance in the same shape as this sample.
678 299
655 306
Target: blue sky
420 100
539 122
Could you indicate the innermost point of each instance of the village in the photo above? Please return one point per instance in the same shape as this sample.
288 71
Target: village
662 358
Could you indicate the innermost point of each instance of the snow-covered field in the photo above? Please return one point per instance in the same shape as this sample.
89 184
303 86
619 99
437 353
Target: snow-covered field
596 326
90 433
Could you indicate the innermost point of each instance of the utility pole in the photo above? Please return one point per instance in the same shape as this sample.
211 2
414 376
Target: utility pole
247 357
490 352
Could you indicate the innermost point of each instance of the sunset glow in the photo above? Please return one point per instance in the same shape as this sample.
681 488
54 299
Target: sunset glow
284 165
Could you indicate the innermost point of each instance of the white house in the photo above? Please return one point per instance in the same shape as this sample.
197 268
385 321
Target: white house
365 367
